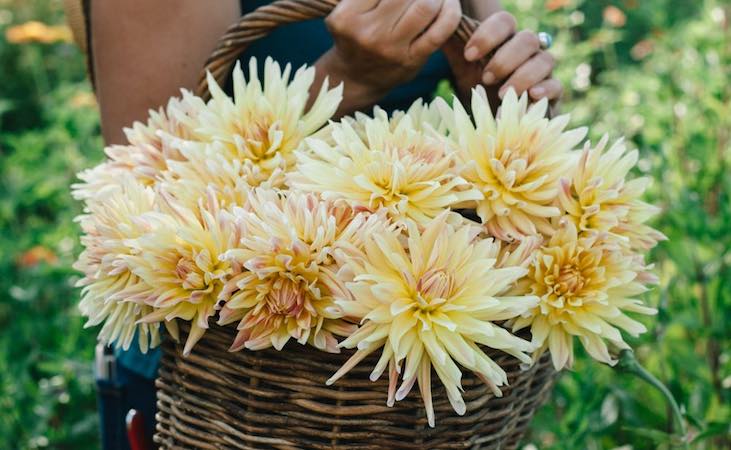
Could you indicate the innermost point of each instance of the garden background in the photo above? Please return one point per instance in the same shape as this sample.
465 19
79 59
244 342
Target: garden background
656 71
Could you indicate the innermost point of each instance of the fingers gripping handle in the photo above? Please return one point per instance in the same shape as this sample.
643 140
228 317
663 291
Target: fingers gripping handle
263 21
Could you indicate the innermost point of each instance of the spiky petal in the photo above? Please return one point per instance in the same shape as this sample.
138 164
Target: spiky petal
586 285
432 304
515 160
397 163
288 272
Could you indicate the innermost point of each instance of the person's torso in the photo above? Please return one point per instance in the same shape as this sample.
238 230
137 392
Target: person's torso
298 44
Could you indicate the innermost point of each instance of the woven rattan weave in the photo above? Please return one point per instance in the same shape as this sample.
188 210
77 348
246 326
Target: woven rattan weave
214 399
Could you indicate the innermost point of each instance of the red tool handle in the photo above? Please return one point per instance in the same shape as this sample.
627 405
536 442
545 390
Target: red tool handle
136 431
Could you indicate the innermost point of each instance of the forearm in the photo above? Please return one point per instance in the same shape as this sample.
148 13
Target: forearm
356 96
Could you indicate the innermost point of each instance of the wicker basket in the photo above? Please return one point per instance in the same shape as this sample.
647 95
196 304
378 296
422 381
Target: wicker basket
215 399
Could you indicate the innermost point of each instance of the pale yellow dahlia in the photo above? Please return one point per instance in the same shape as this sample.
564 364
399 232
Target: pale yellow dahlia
263 124
599 197
515 160
432 304
374 163
179 263
108 226
207 168
586 284
148 152
288 270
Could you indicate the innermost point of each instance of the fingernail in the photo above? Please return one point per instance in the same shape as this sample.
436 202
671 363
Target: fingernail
502 91
488 77
537 92
471 53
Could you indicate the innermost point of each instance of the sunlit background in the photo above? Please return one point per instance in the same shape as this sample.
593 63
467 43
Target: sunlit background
655 71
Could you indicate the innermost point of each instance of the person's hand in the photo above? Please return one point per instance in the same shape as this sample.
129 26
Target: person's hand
518 61
380 44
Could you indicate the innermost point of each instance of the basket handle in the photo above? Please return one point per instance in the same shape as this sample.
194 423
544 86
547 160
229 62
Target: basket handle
264 20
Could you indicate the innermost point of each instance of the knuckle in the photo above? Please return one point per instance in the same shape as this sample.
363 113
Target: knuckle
485 40
547 59
497 67
454 15
334 22
529 38
507 19
426 7
369 41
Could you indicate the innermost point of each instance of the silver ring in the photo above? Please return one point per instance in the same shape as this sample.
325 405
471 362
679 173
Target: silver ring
545 40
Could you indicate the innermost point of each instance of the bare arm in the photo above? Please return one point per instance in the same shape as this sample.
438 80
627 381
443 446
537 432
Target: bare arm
145 51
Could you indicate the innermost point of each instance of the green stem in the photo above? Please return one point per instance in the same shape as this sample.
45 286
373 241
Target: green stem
628 363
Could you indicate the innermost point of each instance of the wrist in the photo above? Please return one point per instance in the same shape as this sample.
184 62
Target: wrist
357 93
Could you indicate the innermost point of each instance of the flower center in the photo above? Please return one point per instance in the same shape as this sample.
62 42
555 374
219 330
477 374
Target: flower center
569 282
256 136
433 288
188 272
286 299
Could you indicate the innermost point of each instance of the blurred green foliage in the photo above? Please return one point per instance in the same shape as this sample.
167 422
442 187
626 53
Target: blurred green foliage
47 133
655 71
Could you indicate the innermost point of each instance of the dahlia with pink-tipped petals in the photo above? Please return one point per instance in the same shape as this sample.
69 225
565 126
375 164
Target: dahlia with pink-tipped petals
397 163
147 153
586 284
432 303
515 159
600 197
108 226
178 260
288 276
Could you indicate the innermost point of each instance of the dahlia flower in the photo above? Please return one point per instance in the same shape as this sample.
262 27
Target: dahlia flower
372 163
599 198
287 281
263 124
107 227
206 167
178 260
147 153
586 285
432 303
515 160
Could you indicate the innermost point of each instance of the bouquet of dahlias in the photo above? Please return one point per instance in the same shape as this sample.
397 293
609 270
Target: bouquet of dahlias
256 210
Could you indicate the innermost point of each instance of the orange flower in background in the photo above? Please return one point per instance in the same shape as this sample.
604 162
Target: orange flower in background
84 99
614 16
35 31
642 49
37 255
552 5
